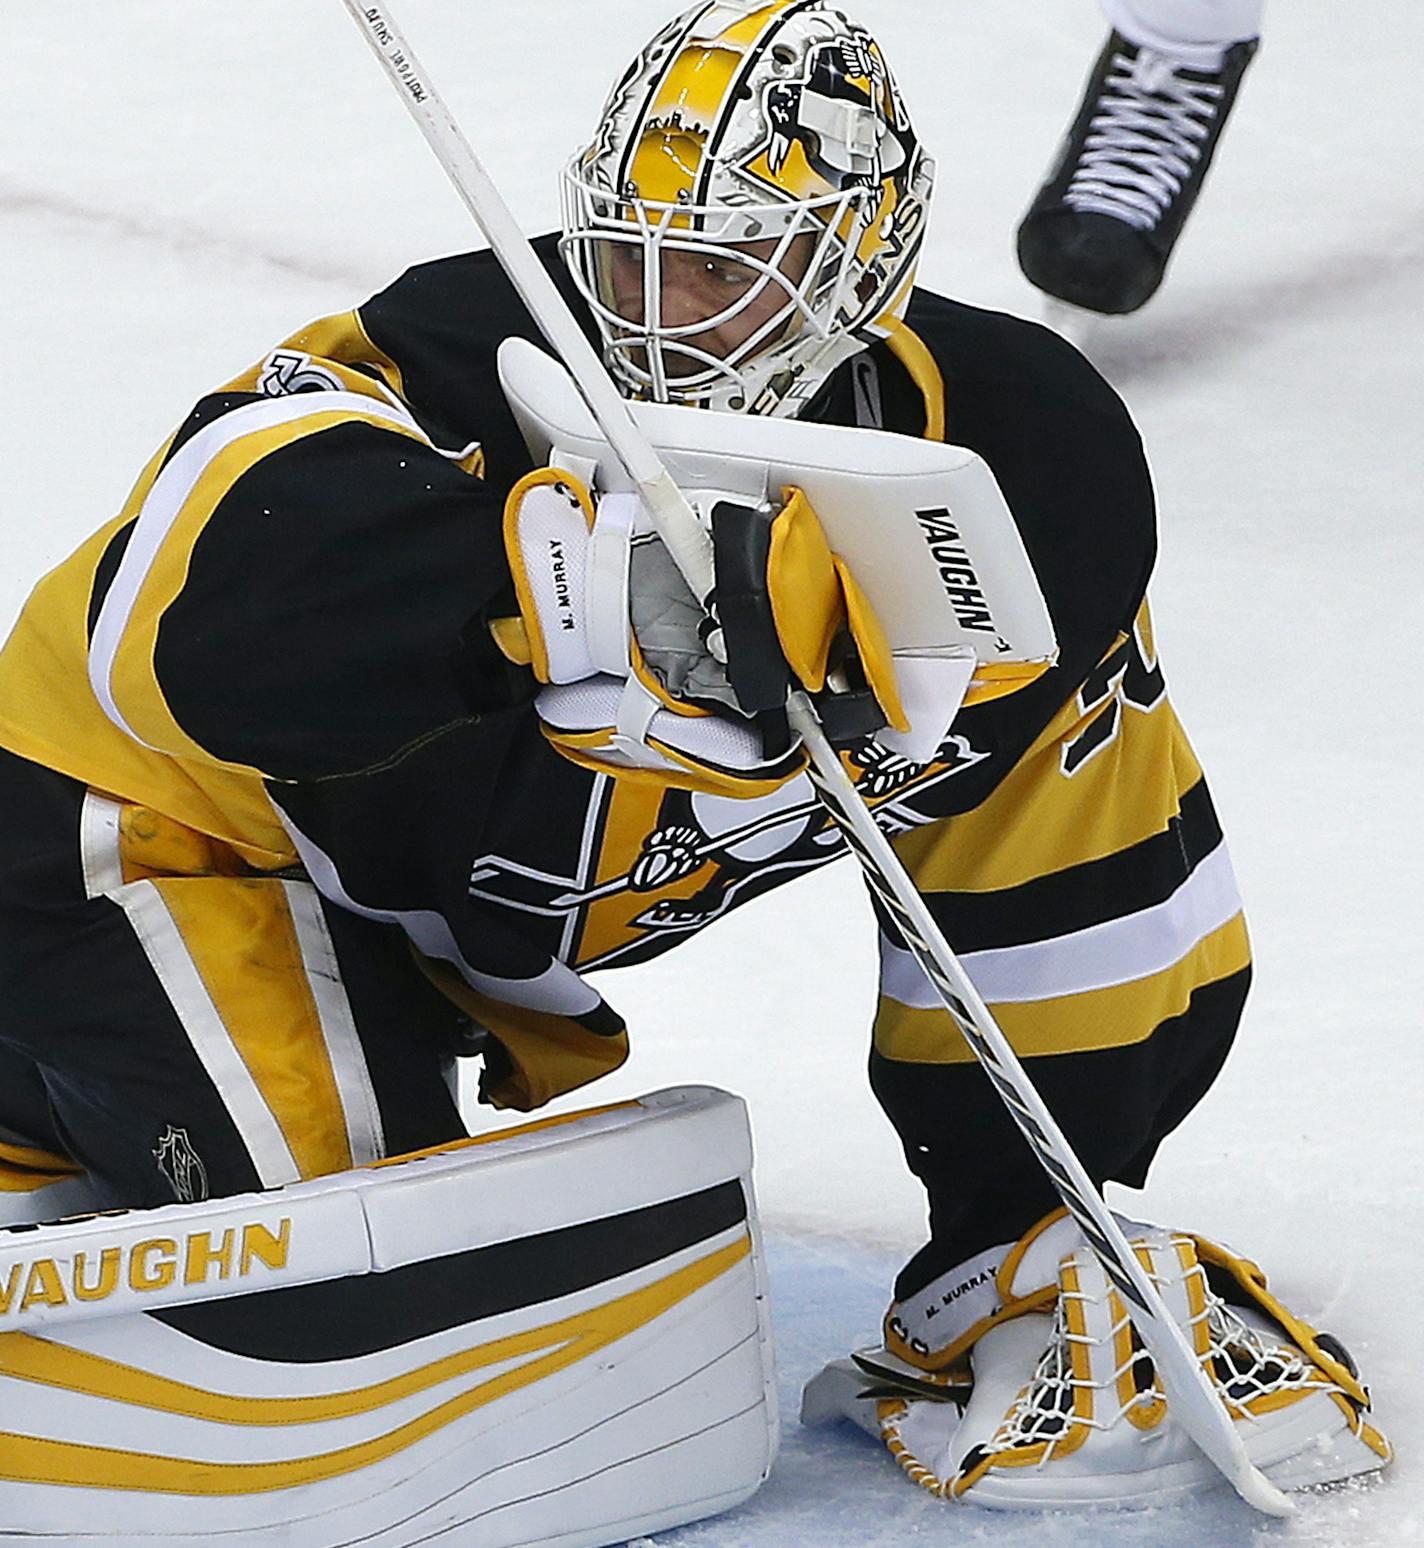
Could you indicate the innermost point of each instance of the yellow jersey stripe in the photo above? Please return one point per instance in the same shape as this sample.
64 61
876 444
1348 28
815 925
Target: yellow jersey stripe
1116 1017
1039 820
912 353
29 1158
247 954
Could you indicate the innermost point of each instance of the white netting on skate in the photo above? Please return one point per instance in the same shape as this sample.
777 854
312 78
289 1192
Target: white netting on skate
1251 1361
1095 1374
1044 1412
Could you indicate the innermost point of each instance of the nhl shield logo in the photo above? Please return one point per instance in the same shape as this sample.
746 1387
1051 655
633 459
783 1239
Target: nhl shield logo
182 1166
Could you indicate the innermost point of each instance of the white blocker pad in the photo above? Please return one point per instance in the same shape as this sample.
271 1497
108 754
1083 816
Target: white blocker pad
922 525
555 1336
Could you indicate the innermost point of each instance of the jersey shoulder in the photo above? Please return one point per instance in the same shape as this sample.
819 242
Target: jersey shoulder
440 325
997 366
1065 453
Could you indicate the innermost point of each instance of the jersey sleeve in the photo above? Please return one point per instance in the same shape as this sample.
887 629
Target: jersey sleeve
1091 900
1066 843
302 590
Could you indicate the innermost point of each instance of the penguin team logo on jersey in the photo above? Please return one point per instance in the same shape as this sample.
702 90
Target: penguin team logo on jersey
676 866
181 1164
287 371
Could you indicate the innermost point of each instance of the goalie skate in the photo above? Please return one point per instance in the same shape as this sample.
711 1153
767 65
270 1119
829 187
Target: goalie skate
1065 1408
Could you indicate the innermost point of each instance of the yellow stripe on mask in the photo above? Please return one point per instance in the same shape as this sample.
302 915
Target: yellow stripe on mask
688 104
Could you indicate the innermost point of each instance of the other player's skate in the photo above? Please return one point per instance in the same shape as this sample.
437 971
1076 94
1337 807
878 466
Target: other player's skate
1044 1397
1101 230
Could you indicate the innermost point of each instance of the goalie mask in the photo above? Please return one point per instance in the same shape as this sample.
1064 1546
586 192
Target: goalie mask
750 212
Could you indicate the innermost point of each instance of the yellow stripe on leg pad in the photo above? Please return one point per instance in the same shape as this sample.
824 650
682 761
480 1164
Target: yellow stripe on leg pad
546 1351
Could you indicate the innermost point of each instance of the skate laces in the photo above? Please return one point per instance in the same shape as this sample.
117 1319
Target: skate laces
1094 1373
1144 141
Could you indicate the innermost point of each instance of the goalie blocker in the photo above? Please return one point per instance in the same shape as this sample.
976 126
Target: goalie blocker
556 1335
907 545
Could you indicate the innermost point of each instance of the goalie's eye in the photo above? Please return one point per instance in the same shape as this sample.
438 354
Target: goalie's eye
727 274
713 276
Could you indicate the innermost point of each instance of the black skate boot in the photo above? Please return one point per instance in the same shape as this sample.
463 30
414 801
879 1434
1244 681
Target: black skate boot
1101 229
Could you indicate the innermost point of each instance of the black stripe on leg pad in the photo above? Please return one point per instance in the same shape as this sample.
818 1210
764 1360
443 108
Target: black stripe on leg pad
342 1318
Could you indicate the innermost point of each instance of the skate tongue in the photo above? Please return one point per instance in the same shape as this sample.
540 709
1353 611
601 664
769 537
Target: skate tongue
1151 72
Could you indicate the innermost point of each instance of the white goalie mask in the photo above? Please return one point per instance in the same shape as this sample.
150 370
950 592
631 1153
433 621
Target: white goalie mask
750 212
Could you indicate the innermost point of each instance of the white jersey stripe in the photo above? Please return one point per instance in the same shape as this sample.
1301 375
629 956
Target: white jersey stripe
557 990
171 491
183 984
99 853
364 1131
1118 951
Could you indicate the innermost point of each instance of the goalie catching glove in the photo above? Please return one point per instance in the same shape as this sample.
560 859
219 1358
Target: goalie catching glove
1038 1393
632 658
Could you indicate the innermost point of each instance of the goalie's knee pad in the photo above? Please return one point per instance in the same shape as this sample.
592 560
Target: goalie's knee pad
1056 1403
557 1335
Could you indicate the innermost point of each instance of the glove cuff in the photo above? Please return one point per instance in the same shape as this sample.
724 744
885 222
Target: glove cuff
548 522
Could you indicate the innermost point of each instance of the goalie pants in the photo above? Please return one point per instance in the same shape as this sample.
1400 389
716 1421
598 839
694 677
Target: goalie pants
212 1032
189 1036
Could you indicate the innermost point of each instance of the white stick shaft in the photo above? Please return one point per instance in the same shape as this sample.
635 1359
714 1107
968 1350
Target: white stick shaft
1189 1391
1190 1395
676 524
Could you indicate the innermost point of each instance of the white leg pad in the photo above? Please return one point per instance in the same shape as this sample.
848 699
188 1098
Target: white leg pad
558 1337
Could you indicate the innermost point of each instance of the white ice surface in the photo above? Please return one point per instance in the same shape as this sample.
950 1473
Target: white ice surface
183 184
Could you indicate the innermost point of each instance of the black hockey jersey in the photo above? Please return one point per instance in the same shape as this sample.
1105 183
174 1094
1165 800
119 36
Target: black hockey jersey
281 644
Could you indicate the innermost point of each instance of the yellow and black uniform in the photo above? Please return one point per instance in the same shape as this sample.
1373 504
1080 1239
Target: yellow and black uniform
278 780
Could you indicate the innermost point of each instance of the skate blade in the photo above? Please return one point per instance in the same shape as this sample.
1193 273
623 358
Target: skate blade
1075 323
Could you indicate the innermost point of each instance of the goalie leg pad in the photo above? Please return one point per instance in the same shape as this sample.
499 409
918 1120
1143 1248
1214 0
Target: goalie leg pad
554 1335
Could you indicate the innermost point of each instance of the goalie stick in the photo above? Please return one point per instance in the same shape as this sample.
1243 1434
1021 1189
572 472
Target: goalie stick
1189 1391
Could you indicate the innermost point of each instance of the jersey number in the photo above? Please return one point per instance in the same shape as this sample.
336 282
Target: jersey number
1125 676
